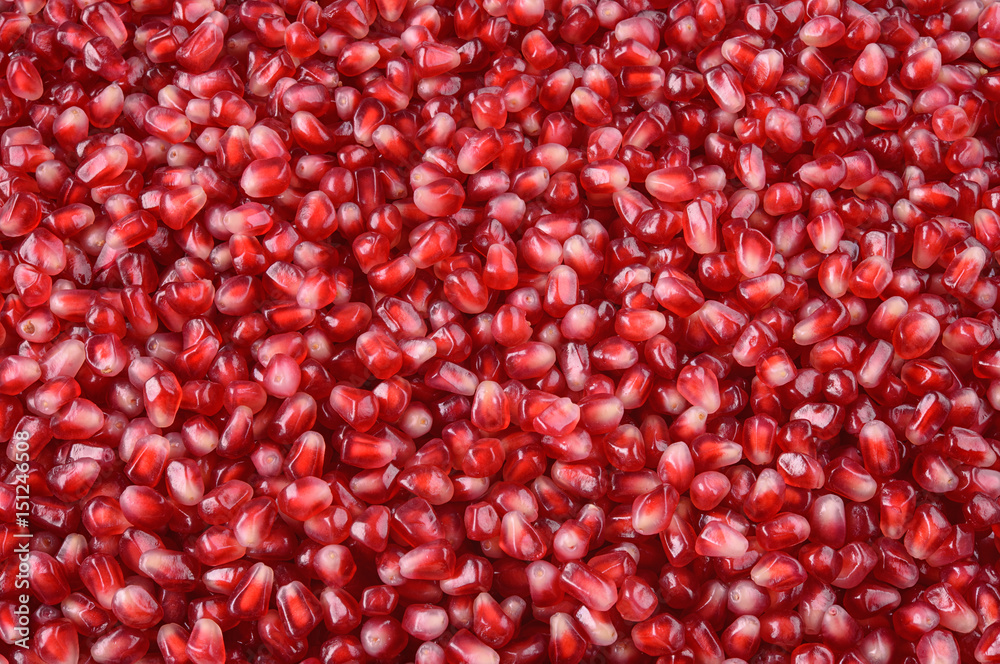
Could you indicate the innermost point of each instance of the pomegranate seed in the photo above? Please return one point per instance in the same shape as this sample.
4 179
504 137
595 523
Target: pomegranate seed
562 286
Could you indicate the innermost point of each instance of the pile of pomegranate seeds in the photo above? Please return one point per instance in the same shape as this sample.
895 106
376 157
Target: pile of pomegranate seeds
499 331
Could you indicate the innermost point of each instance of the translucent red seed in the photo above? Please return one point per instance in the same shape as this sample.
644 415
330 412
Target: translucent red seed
500 331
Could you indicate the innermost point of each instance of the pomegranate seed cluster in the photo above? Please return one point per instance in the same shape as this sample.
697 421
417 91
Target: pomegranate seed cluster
499 331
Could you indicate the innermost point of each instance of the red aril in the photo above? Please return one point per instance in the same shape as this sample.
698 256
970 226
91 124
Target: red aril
348 327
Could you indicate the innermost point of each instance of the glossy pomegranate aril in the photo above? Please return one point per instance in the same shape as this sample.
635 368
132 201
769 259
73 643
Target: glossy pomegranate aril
678 320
